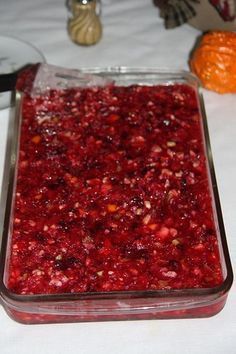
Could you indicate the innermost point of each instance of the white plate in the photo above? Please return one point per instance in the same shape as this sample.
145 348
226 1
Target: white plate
14 54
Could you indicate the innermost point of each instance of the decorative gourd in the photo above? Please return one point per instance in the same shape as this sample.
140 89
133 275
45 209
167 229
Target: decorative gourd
214 61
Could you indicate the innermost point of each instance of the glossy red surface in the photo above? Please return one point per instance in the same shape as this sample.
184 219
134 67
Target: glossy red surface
112 193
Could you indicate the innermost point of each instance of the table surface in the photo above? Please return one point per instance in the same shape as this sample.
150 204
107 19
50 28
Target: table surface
133 36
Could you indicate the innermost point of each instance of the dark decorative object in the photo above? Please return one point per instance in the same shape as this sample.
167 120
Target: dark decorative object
204 14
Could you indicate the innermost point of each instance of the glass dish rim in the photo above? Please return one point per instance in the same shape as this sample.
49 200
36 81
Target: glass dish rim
11 150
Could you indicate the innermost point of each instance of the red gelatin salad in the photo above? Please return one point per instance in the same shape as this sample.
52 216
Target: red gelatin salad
112 193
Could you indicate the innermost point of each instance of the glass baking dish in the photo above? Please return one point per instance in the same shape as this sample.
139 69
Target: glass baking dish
113 305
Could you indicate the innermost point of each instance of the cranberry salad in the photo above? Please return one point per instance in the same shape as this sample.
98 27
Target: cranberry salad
112 193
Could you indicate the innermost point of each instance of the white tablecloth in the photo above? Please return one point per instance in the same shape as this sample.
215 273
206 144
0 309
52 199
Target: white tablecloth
133 36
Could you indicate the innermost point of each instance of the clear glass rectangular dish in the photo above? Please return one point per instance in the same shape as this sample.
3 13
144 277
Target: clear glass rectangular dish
119 304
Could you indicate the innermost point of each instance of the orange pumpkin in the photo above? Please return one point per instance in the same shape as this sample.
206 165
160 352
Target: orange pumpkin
214 61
